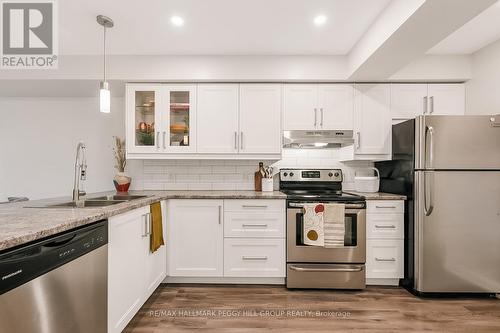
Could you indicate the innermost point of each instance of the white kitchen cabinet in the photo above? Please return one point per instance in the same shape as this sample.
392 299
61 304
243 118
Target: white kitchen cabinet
300 109
160 119
260 119
446 99
336 106
318 106
195 238
384 241
372 120
218 118
133 272
411 100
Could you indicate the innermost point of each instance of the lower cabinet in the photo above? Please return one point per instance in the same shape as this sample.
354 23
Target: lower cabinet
133 271
385 242
226 238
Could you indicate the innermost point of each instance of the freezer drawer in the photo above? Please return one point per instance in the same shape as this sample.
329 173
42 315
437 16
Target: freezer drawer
325 276
457 231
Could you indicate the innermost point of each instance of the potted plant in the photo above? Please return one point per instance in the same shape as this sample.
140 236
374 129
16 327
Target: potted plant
122 180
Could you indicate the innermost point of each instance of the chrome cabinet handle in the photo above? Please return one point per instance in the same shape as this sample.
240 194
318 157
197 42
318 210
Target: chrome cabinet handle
241 140
385 226
385 259
432 105
301 269
157 139
150 224
245 225
220 214
164 144
235 140
254 206
145 225
253 258
358 144
425 105
315 117
390 207
321 119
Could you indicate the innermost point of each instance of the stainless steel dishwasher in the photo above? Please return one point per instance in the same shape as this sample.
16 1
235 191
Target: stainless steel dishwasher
58 284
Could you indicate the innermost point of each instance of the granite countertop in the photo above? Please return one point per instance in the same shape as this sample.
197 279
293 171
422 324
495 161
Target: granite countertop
379 195
20 224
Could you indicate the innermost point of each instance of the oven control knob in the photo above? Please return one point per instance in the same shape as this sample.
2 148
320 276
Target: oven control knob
336 174
285 174
330 174
291 174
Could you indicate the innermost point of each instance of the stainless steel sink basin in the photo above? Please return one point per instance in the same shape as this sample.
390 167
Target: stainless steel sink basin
86 204
119 197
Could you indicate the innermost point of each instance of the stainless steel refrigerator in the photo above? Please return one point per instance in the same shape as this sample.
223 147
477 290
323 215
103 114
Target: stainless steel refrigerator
449 167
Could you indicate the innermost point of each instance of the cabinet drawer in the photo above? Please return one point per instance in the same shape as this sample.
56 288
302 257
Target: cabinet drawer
254 257
254 205
385 206
384 259
254 224
385 226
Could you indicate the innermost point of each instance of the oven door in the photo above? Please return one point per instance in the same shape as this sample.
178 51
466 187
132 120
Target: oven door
353 252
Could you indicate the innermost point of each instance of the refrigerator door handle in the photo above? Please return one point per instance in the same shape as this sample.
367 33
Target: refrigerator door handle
428 208
429 138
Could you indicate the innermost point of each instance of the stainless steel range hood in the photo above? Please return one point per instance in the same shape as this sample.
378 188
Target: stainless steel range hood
317 139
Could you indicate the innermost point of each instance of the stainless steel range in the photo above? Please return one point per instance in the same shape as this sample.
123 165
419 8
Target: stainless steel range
320 267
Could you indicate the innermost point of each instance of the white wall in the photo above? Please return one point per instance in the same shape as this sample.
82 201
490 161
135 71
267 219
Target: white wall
38 138
483 90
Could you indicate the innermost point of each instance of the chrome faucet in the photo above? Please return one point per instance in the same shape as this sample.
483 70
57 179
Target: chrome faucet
80 171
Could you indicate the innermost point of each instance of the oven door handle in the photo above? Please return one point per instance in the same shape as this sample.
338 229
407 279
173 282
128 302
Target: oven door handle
302 269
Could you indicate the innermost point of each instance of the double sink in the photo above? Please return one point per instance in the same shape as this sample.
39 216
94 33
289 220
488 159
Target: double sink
102 201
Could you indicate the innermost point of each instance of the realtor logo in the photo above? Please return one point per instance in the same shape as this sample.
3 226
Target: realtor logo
29 39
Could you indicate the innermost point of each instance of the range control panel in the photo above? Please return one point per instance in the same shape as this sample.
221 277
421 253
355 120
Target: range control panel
308 175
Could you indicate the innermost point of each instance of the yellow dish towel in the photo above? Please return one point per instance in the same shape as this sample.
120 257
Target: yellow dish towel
156 237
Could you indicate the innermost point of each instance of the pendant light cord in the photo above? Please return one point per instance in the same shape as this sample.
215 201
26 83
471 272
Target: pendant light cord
104 47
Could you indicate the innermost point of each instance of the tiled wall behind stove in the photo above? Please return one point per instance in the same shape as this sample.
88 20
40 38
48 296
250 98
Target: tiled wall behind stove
230 174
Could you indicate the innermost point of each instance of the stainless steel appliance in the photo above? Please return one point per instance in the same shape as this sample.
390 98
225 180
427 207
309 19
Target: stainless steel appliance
449 167
56 285
319 267
317 139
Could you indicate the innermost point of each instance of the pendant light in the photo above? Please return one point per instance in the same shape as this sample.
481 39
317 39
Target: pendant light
104 94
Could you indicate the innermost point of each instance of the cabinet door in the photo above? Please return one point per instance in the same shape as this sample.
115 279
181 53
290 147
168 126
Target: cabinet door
195 238
217 118
384 258
126 267
143 102
156 262
408 100
178 130
372 119
336 106
446 99
300 107
260 118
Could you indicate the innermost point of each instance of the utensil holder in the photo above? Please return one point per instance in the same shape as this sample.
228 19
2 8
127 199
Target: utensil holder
267 184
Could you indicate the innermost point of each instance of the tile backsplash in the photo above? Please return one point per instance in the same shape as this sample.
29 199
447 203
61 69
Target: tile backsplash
230 174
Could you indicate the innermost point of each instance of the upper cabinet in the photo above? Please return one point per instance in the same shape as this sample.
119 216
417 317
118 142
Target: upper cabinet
160 118
204 121
318 106
372 119
411 100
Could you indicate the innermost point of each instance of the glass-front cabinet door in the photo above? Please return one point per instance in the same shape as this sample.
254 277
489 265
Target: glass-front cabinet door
160 119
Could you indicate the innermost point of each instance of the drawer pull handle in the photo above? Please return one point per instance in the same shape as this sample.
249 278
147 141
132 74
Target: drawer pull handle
254 206
388 207
301 269
385 226
385 259
253 258
254 225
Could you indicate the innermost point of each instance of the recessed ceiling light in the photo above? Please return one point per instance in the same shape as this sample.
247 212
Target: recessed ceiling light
177 21
320 20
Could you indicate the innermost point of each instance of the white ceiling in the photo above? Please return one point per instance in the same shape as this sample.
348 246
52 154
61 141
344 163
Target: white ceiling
216 27
474 35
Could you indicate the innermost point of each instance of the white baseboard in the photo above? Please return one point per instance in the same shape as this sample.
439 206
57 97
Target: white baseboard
225 280
382 282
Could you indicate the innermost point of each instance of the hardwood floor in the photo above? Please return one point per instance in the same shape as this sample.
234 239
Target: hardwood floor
226 308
